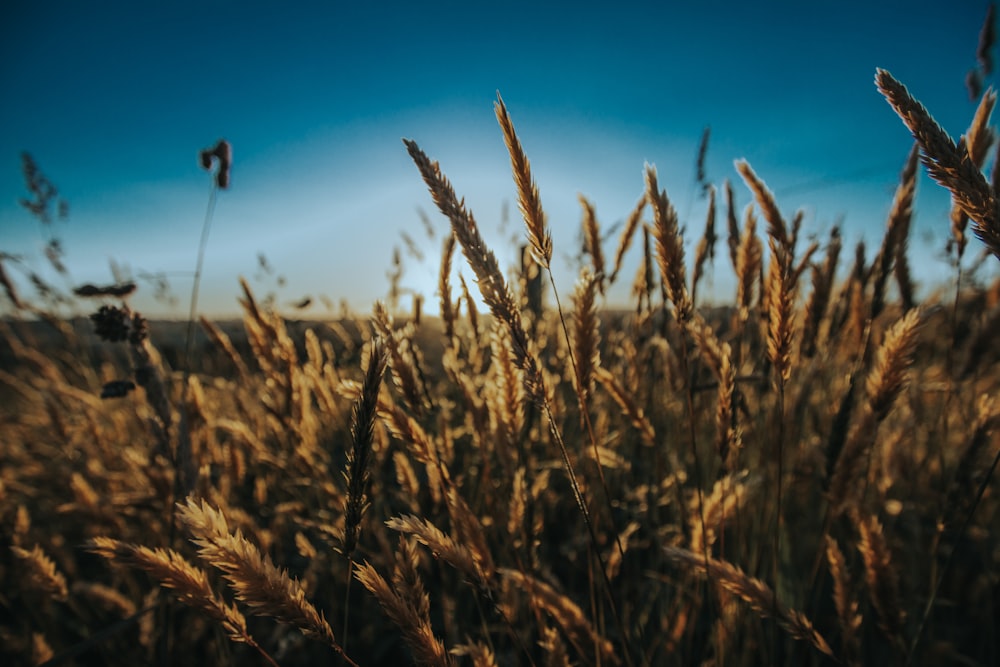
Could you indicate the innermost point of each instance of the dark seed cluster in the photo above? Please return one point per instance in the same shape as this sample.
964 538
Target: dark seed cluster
115 325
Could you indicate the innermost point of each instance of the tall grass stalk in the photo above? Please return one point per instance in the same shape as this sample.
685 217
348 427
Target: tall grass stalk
541 242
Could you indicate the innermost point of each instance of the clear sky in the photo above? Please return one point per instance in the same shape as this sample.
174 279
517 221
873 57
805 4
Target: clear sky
115 99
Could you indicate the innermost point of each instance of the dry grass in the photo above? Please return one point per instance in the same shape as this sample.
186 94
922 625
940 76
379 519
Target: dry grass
804 477
754 592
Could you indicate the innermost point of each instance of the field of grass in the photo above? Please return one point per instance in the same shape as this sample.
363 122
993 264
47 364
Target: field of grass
802 477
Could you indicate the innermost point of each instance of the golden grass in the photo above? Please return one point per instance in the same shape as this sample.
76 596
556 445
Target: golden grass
949 164
803 477
753 591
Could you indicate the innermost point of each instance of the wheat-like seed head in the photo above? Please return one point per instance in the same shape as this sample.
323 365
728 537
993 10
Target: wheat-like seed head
406 479
480 654
897 230
615 556
407 429
945 162
442 546
484 263
507 404
819 297
642 286
362 434
527 192
555 650
753 591
444 288
406 579
980 136
728 439
42 572
749 256
705 250
729 494
470 306
628 232
149 375
883 584
857 314
592 239
732 224
781 301
408 614
265 589
847 607
219 337
468 530
627 405
887 378
901 267
669 247
518 508
776 226
401 361
976 142
586 335
564 611
711 348
189 583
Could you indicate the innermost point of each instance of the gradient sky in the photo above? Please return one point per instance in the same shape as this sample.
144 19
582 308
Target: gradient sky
115 99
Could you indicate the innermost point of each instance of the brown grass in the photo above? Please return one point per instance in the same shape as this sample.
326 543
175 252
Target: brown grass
754 592
803 476
949 164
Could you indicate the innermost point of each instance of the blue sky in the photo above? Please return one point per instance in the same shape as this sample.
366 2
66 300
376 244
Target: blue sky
114 100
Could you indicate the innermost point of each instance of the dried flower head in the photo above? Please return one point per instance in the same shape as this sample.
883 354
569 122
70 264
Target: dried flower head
223 152
115 325
111 323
